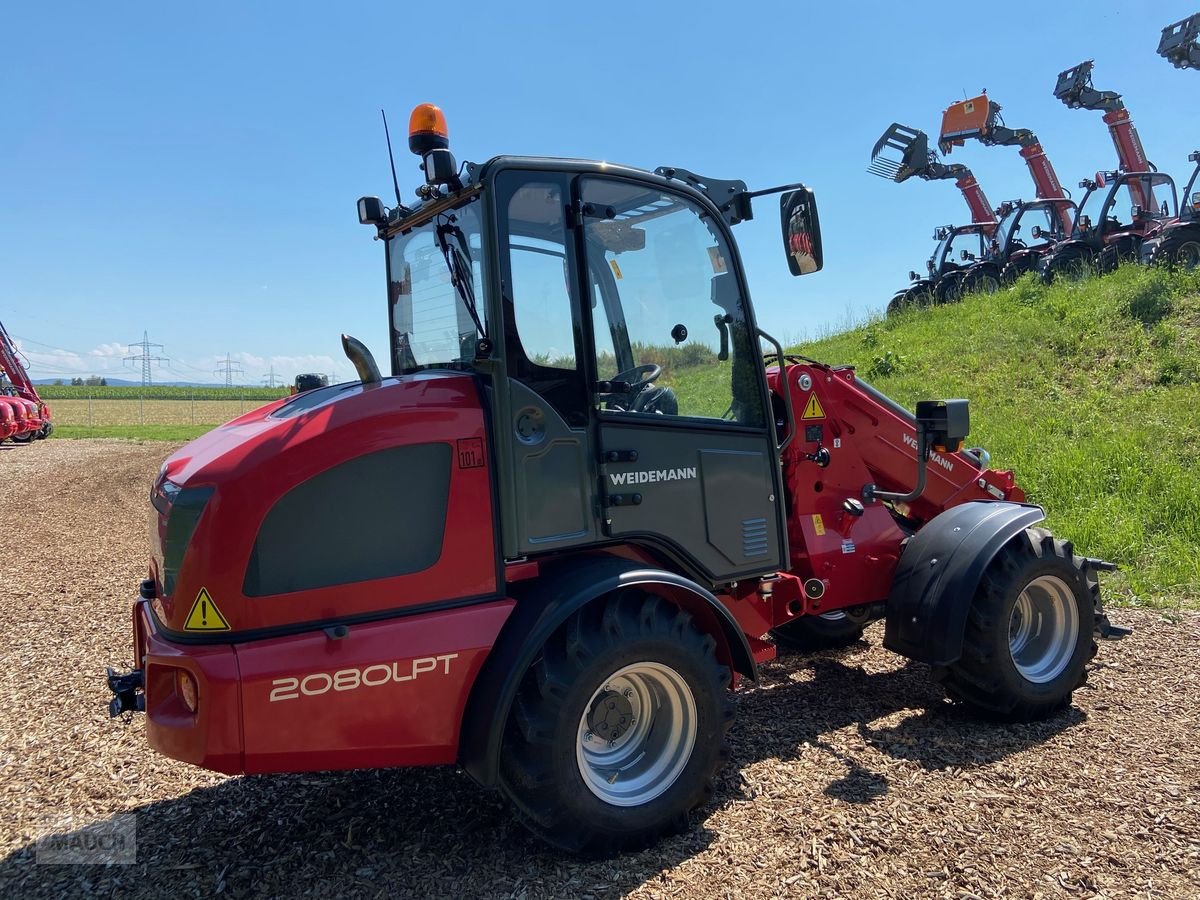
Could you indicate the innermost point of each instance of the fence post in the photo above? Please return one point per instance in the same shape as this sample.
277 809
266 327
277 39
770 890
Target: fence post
141 408
90 409
193 405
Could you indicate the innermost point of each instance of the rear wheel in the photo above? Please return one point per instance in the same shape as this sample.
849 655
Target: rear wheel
618 728
838 628
1071 264
1029 631
949 288
1016 267
1114 255
981 282
24 437
1179 249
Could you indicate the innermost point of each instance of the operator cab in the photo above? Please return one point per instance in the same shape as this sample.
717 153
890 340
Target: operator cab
605 312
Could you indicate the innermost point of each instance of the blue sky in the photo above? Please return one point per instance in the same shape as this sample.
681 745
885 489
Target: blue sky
191 170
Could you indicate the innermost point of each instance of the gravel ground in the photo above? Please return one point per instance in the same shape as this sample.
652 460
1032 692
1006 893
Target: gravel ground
850 775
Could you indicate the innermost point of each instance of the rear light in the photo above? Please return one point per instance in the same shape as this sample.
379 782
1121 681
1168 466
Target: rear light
185 687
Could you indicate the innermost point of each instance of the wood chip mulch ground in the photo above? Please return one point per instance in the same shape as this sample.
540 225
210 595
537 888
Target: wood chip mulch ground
851 776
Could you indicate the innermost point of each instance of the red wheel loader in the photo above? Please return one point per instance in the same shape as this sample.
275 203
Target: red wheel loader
1011 253
1100 240
899 154
1178 244
551 542
21 390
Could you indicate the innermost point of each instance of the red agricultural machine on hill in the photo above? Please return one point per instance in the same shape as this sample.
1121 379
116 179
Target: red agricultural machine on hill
1047 219
1100 241
899 154
30 414
568 523
1178 244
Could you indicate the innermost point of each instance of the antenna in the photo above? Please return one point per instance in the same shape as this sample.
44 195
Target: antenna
392 160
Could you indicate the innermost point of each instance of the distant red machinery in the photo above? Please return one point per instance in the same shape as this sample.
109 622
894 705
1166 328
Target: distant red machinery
19 394
1100 240
898 155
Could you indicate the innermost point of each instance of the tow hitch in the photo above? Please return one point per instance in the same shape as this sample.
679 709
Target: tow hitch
126 687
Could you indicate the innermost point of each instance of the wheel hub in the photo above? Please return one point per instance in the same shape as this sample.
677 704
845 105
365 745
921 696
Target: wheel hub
611 716
1043 629
636 734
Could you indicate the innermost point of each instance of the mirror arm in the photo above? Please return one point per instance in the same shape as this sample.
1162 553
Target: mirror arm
785 388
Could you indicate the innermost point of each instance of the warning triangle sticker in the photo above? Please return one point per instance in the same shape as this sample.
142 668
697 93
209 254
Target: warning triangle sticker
204 615
812 409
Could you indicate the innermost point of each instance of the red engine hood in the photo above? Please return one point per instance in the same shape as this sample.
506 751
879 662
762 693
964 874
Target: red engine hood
366 414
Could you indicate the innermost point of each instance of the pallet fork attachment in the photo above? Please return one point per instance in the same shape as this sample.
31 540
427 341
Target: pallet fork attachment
1075 89
1180 43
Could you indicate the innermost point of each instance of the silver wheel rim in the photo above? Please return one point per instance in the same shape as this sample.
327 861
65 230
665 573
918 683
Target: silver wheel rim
636 734
836 616
1188 256
1043 629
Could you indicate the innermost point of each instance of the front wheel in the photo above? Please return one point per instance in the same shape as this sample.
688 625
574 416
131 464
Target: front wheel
1029 631
619 727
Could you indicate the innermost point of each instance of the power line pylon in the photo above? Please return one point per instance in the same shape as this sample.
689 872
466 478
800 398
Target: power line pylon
228 368
271 378
146 358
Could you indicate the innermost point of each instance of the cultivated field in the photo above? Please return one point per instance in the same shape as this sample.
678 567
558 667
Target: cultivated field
850 776
85 412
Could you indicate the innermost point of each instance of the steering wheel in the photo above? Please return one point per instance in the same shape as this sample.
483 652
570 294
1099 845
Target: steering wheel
648 373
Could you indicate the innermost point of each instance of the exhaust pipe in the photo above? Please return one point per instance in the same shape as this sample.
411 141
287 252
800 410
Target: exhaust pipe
364 363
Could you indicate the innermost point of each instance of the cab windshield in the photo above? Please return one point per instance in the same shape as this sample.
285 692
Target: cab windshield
435 280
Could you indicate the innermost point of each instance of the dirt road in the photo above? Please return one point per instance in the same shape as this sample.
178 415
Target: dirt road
851 777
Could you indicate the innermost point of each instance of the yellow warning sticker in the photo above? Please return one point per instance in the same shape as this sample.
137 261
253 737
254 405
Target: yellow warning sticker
204 615
812 409
616 269
818 524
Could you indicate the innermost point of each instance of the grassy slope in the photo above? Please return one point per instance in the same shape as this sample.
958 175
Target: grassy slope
1090 392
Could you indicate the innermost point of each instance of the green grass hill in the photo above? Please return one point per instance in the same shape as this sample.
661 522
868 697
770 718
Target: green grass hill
1089 391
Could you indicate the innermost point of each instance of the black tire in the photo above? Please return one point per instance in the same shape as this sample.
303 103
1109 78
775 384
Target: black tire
1033 573
1016 267
1115 255
949 288
24 437
1180 249
840 628
912 298
1071 264
983 281
544 767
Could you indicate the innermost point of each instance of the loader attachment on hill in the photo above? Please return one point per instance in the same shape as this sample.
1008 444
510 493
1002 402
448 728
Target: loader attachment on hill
910 156
903 151
1074 88
978 118
1179 44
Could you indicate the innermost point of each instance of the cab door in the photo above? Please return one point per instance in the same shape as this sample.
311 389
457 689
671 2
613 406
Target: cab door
687 457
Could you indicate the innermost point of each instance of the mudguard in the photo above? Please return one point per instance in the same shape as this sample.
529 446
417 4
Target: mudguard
561 589
939 571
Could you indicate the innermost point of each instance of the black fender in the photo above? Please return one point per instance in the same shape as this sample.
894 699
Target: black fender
939 572
562 588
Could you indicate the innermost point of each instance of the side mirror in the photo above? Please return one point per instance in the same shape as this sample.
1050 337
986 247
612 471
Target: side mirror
1136 211
1196 200
966 255
1036 232
1085 223
801 231
912 276
370 211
